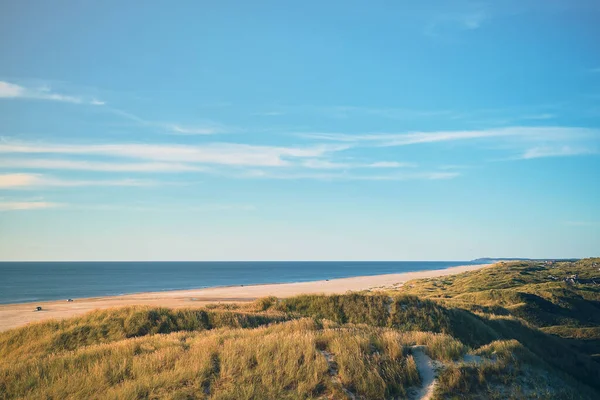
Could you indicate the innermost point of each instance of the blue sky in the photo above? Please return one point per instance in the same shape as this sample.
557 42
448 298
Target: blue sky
269 130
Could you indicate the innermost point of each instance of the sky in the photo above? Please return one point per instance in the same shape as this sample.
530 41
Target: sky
270 130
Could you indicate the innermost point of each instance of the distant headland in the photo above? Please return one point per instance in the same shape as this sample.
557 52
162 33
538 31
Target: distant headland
491 260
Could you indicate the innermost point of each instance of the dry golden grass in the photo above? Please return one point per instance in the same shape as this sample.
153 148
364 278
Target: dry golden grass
325 347
106 326
280 361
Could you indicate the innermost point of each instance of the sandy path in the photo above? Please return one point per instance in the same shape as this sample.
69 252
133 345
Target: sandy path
427 373
14 315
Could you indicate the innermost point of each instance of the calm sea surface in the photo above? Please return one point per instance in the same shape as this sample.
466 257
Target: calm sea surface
37 281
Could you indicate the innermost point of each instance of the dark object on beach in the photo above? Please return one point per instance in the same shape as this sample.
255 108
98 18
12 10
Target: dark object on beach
38 308
69 300
326 280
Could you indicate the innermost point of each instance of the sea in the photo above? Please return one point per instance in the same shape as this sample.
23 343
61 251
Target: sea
22 282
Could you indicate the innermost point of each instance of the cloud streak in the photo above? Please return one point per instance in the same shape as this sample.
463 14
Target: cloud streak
327 164
27 181
550 133
210 128
467 20
348 111
232 154
387 112
13 91
561 151
54 164
27 205
334 176
182 130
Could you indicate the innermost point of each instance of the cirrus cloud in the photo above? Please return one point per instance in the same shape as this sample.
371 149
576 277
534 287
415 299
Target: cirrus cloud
13 91
27 205
232 154
84 165
27 181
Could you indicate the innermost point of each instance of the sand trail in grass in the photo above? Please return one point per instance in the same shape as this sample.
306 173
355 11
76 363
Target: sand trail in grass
333 373
426 371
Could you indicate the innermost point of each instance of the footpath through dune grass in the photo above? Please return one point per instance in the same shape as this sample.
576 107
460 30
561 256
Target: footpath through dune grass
492 334
278 361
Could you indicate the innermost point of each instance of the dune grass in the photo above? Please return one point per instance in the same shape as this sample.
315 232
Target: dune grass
507 370
105 326
279 361
530 336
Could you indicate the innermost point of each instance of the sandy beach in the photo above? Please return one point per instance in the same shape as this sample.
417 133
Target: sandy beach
15 315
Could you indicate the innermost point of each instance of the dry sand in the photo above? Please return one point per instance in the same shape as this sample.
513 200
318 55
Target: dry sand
15 315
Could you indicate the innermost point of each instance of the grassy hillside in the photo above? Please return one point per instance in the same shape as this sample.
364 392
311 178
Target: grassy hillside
540 295
515 330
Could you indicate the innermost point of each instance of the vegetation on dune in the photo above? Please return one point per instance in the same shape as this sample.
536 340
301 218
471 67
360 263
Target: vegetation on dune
401 312
542 295
508 370
105 326
515 330
280 361
551 309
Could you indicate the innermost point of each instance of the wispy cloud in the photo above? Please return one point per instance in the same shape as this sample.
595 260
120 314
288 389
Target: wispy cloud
350 111
333 176
465 20
561 151
453 167
543 116
472 20
390 164
205 128
269 113
18 180
386 112
239 161
522 142
168 207
25 181
215 153
58 164
223 207
13 91
183 130
327 164
27 205
403 139
481 116
181 158
317 161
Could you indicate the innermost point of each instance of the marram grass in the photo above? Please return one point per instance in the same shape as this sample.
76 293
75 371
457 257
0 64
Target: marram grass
507 331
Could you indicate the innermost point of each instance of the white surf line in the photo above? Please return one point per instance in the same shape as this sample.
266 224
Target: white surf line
427 373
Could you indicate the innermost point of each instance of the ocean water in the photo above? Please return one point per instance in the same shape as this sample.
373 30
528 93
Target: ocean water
38 281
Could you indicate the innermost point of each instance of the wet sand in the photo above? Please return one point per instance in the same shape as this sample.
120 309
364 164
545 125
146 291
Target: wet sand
15 315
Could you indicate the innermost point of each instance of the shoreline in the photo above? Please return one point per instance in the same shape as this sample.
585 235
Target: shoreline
19 314
180 289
